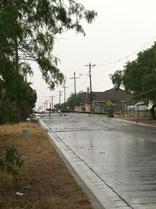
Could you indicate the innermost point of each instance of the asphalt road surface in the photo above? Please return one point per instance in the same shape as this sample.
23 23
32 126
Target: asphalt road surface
121 153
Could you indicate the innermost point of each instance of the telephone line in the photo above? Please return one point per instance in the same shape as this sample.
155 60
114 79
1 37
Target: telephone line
126 57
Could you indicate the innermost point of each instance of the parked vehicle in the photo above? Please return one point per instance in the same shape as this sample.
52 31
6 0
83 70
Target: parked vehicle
138 107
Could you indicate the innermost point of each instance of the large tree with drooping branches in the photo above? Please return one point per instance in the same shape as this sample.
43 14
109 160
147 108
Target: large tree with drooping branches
28 29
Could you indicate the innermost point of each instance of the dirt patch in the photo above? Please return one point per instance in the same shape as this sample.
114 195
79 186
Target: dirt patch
136 119
44 180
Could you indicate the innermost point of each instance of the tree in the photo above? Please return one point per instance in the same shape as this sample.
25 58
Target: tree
117 79
139 77
28 29
17 98
76 100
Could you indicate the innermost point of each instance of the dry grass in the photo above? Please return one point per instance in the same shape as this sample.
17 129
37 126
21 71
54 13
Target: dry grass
146 120
44 179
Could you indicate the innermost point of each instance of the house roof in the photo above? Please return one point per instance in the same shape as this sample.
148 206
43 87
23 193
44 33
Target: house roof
111 94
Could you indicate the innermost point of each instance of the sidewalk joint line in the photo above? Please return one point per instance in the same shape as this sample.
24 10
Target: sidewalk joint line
95 172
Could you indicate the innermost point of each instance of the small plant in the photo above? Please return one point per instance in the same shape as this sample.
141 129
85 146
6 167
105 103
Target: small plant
10 161
110 112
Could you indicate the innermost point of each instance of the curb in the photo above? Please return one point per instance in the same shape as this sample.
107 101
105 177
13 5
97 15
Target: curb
136 123
53 138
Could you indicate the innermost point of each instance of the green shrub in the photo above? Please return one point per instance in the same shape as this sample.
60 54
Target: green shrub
110 112
10 161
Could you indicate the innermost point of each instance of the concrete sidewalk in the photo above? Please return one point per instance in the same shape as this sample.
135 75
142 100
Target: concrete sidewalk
112 159
101 195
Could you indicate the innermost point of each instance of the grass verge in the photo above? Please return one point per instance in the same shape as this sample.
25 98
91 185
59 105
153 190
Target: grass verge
43 179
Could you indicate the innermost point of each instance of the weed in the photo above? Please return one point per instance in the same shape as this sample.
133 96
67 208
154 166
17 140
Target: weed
10 161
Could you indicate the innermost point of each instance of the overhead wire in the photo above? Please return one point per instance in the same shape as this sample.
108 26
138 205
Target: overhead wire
103 64
83 82
129 55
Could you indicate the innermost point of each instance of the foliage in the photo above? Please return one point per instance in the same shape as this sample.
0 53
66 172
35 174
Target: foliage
76 100
28 29
139 76
110 112
117 79
62 107
17 98
10 161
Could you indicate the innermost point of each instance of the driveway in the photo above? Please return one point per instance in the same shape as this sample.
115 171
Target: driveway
121 155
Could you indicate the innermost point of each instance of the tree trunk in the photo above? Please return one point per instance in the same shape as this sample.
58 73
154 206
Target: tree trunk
153 112
16 54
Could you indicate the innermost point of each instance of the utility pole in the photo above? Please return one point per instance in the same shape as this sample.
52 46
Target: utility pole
60 94
90 82
49 109
52 101
64 87
45 105
51 105
74 77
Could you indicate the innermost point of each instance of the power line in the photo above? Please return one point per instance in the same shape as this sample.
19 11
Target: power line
144 92
129 55
83 83
100 78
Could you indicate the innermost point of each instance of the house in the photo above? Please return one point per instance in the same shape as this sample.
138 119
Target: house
85 107
112 98
102 101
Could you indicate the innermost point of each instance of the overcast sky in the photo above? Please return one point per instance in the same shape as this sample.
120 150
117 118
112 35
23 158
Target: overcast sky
121 29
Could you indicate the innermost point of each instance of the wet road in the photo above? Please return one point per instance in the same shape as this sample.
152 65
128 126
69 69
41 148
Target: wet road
122 154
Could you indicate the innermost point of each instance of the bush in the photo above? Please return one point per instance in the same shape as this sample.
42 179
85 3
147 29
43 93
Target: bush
110 112
10 161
